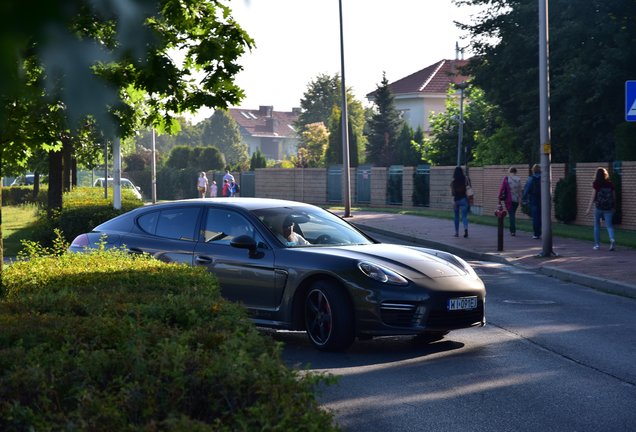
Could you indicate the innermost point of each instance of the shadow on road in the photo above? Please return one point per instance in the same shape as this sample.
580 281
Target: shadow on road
298 352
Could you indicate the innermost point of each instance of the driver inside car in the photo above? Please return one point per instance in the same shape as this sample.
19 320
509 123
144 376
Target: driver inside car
292 238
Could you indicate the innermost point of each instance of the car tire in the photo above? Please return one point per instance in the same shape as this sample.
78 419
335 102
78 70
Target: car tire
328 317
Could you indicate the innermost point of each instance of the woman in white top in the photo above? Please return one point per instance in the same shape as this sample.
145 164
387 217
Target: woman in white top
202 184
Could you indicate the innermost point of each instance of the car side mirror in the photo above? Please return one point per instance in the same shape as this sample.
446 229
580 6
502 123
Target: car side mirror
244 242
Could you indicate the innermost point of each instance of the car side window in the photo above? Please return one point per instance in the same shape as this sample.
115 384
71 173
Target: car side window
179 223
221 226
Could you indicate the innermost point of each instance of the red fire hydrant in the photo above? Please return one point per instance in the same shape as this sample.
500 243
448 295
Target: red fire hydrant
501 215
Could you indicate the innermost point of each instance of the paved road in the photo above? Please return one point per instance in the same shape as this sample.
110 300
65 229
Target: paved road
555 356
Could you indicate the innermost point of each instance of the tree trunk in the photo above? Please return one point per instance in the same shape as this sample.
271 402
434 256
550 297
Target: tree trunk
67 152
1 242
74 172
36 185
55 182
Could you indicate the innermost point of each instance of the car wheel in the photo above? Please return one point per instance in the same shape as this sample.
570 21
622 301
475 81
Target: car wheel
328 317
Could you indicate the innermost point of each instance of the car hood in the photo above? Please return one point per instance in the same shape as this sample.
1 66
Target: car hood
411 262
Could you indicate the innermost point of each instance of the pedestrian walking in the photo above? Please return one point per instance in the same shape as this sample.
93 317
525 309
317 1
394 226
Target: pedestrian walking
604 200
532 195
225 191
460 200
214 190
228 176
510 195
202 184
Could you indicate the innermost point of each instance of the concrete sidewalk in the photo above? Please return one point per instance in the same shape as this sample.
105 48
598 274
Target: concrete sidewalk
575 260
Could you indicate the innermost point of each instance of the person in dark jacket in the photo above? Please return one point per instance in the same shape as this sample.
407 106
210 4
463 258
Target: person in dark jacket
532 195
604 198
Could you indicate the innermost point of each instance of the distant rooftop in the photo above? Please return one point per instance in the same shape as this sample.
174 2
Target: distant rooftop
265 122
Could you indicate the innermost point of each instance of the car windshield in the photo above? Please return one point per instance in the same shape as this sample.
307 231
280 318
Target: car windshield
309 227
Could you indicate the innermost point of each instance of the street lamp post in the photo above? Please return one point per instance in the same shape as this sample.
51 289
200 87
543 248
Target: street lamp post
544 130
344 122
460 130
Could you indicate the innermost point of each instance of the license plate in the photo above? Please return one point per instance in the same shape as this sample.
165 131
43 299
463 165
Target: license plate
462 303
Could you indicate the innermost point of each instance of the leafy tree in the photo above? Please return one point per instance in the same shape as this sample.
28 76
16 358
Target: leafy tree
180 157
318 102
384 127
591 56
110 63
311 151
208 158
222 131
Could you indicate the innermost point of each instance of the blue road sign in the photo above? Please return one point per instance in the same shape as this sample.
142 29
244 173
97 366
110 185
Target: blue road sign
630 101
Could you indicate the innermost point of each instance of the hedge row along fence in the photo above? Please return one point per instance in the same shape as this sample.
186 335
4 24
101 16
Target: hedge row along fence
108 342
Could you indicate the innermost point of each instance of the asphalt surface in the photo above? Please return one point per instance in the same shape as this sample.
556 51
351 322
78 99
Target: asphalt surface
573 260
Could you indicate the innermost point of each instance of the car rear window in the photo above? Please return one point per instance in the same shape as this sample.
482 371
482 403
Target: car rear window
179 223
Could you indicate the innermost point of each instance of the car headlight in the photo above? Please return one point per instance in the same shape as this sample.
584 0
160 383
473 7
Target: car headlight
381 274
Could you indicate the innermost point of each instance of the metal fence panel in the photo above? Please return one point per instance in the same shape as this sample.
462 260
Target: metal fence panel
248 184
363 184
394 185
334 183
422 186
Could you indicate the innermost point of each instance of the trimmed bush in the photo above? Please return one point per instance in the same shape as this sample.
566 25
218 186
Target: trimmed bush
16 195
104 341
82 210
565 199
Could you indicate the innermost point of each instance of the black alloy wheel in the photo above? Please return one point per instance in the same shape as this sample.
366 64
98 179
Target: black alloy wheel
328 317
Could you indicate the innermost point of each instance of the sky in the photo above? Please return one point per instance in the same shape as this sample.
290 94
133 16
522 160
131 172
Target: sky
298 40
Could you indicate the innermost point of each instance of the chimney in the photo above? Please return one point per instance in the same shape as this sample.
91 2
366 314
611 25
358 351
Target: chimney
270 124
265 110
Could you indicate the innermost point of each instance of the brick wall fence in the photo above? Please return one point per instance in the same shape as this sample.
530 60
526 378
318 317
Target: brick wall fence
310 185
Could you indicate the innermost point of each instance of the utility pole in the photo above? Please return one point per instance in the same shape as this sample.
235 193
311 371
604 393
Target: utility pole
545 148
345 126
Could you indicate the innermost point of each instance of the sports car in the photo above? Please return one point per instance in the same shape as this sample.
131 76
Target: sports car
297 266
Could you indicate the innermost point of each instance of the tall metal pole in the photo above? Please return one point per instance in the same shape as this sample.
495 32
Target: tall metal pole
345 126
154 169
544 144
117 174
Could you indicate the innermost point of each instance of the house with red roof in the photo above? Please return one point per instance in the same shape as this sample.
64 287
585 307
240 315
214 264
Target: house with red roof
424 92
272 132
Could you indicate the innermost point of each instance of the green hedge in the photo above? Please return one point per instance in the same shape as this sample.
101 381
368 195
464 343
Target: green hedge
82 210
565 199
17 195
109 342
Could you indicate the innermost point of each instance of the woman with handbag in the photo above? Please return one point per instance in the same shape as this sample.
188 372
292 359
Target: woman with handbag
458 187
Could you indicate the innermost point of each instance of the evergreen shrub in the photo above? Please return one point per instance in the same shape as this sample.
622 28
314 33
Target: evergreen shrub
105 341
565 199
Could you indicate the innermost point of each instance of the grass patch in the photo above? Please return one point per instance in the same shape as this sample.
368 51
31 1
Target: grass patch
624 237
18 223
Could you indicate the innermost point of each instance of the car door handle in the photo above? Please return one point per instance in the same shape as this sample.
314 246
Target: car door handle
203 260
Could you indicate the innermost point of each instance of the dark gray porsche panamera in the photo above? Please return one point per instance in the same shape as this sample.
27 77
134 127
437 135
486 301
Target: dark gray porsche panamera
296 266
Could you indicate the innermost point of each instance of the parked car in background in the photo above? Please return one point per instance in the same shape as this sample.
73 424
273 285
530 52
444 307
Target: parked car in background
24 180
125 184
299 267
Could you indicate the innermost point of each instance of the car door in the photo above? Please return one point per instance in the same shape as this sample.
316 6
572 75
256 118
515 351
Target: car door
244 276
167 234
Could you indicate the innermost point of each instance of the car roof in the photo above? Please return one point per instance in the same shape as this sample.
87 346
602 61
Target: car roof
242 202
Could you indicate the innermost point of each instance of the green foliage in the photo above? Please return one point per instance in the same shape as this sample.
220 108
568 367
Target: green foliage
258 160
565 199
222 131
17 195
175 184
592 54
82 210
319 103
109 341
384 127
